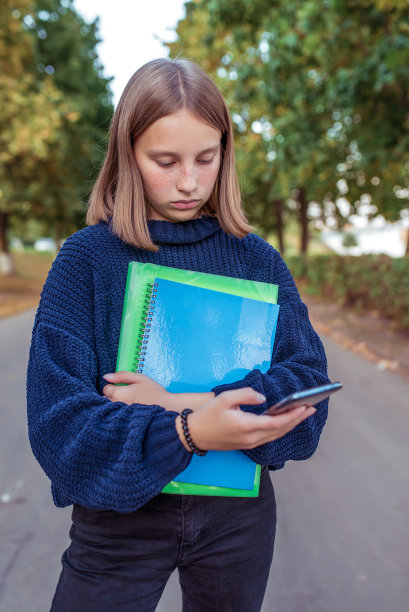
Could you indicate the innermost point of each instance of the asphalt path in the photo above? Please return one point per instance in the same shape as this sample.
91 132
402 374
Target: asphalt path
342 537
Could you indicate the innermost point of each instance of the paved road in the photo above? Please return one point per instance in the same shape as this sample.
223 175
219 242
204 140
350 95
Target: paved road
343 536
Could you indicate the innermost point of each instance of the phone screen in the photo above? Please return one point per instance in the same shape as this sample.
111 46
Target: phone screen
307 397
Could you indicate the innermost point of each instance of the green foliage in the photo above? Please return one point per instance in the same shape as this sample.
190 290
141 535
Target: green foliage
55 110
318 92
66 49
31 110
369 282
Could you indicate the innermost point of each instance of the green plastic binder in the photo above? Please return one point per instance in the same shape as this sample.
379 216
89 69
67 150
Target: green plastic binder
140 280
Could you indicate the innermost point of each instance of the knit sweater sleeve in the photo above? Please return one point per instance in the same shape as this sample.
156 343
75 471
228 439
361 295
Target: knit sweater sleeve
97 453
298 362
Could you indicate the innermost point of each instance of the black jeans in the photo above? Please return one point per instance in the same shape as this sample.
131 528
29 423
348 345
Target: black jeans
222 547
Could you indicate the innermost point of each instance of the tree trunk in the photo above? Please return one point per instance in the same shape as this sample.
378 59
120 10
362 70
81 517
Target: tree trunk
278 207
407 242
6 261
303 210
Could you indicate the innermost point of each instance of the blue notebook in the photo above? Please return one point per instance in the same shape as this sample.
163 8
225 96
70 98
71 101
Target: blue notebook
196 339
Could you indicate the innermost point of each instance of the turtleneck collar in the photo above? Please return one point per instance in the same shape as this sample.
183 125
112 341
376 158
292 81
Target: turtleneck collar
184 232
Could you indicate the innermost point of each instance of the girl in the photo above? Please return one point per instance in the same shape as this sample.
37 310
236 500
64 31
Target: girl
168 194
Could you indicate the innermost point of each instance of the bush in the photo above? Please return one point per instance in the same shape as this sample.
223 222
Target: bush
368 282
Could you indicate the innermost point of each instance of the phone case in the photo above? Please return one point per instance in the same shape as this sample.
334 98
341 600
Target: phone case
308 397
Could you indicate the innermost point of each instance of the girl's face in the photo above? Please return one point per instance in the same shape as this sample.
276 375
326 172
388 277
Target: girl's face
178 157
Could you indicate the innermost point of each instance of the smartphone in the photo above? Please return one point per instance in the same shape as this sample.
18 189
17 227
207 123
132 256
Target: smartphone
307 397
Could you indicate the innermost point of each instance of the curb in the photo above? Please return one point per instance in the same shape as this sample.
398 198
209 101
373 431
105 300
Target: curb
360 348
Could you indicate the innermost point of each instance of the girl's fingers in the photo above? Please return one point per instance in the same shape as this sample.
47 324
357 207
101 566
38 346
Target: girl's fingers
123 377
265 422
237 397
118 394
283 423
218 425
268 428
290 418
108 390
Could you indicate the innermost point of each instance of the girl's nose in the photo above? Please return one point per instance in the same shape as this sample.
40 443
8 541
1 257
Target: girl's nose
187 180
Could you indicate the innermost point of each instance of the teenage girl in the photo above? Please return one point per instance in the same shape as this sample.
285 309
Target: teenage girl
167 193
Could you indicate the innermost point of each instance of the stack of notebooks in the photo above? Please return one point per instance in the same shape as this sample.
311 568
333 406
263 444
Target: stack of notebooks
191 331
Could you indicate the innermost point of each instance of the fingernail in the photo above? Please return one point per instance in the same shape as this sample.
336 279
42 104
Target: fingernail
108 376
261 397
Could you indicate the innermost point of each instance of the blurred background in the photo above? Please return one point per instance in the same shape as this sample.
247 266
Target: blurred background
318 92
319 97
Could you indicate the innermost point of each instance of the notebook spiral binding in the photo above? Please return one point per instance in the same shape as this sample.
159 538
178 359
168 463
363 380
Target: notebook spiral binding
148 307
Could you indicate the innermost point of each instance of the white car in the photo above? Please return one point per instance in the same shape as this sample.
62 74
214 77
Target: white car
44 244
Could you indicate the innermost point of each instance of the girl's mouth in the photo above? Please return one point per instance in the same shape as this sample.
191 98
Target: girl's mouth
186 204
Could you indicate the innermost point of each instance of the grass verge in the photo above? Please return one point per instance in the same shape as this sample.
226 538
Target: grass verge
22 290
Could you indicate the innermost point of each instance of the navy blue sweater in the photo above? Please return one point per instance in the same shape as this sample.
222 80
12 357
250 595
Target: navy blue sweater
110 455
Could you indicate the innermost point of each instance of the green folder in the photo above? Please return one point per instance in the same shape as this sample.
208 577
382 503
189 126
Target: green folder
137 294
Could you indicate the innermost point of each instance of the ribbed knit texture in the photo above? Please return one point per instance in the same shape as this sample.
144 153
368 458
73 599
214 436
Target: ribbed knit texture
108 455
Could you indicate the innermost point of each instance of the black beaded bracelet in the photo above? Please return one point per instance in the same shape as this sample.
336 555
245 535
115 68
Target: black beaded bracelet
188 437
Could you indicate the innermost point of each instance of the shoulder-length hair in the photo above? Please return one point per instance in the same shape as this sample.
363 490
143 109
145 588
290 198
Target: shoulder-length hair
157 89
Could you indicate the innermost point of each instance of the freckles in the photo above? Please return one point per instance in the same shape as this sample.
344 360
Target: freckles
208 177
157 181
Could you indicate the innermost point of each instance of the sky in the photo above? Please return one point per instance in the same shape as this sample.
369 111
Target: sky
130 30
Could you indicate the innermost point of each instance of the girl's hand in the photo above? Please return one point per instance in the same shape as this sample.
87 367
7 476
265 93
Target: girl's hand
221 425
139 389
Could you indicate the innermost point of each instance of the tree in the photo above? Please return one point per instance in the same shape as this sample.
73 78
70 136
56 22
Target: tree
370 83
66 49
316 81
270 88
64 113
30 117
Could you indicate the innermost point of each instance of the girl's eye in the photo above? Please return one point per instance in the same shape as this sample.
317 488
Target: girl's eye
205 161
163 164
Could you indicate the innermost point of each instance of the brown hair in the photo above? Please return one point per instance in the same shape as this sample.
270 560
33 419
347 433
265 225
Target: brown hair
157 89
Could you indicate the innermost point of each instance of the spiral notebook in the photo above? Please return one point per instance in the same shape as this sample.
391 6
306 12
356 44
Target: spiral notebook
191 338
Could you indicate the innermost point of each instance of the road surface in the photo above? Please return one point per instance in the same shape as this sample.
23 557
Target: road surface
343 536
